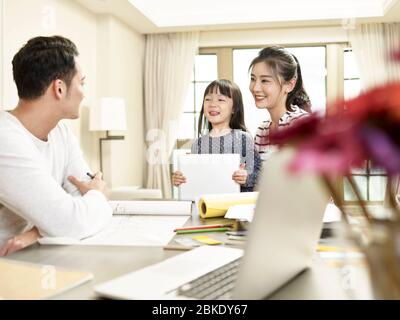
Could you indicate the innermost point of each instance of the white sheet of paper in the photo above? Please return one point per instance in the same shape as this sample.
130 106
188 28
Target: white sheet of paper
246 211
241 212
207 174
332 213
128 230
152 207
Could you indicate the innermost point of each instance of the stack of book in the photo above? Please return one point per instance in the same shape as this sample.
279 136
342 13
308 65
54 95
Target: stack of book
236 238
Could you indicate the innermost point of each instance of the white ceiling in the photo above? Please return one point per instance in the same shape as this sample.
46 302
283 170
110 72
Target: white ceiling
151 16
179 13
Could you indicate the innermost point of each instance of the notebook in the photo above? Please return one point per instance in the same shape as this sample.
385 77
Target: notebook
28 281
135 223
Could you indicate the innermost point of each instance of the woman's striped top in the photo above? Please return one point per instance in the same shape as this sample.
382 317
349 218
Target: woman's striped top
261 141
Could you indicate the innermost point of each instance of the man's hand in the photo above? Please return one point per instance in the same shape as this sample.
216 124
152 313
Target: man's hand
95 184
240 176
19 242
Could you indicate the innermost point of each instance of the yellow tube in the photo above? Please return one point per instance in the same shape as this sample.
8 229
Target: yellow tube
216 205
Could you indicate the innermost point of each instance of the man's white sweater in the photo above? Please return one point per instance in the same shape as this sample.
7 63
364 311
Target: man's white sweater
34 189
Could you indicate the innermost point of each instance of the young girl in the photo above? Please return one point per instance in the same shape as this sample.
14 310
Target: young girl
222 115
276 85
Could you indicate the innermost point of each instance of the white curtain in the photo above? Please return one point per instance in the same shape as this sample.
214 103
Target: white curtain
372 45
169 61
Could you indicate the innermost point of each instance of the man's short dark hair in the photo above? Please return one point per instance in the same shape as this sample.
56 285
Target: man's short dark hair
42 60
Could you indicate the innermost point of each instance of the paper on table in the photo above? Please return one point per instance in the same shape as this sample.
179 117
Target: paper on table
241 212
246 212
152 207
332 213
127 230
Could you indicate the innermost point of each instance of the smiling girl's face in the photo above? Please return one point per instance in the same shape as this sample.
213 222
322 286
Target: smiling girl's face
218 108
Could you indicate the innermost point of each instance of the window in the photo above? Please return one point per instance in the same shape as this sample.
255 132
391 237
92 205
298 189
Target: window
204 72
370 181
313 66
352 84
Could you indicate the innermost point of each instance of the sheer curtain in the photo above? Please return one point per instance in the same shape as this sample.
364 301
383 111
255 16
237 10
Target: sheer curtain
372 45
169 60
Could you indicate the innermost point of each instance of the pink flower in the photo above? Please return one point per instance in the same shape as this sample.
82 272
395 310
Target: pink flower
395 55
334 150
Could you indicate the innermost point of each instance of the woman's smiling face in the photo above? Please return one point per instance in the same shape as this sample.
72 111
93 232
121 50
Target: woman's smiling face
265 87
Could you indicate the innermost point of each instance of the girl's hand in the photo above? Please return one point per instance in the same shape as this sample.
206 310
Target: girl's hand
240 176
178 178
20 241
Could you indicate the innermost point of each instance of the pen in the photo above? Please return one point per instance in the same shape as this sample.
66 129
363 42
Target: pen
201 230
90 175
209 226
172 247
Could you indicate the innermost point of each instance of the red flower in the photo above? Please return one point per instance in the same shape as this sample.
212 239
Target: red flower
381 100
298 130
335 149
366 127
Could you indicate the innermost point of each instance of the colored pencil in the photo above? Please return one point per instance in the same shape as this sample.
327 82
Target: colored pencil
201 230
209 226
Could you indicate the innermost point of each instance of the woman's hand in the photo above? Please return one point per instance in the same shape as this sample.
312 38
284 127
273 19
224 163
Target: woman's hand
240 176
178 178
20 241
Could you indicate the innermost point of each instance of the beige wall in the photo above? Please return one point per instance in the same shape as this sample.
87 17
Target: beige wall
282 36
115 71
120 60
26 18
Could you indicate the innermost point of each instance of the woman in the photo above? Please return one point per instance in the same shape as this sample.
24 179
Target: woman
277 85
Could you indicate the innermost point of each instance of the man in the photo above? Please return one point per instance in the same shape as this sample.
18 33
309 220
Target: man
44 187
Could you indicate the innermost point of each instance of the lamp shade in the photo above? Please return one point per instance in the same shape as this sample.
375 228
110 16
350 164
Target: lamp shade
108 114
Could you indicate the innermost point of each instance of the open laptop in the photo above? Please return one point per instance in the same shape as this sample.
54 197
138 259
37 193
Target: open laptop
281 241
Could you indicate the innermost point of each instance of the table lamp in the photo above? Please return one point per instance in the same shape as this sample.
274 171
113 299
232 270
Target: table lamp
108 114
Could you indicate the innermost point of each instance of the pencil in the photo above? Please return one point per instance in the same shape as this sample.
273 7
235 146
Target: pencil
324 248
201 230
209 226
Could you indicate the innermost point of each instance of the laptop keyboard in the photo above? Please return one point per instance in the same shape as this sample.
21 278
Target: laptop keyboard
217 284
